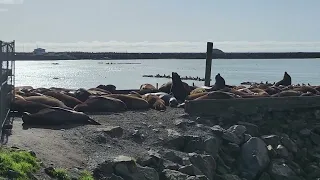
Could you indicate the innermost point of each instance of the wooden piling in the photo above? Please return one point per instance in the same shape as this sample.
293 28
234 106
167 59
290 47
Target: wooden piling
208 64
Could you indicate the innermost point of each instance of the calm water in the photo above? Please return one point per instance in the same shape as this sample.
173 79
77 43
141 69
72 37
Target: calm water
89 73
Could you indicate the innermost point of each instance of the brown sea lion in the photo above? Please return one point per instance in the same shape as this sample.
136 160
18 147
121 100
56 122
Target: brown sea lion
220 83
66 99
167 87
101 104
272 90
40 90
27 106
18 97
98 93
99 90
28 94
195 96
47 100
147 86
217 95
110 88
287 93
155 102
177 88
259 92
306 89
131 101
135 94
19 88
286 80
197 90
57 116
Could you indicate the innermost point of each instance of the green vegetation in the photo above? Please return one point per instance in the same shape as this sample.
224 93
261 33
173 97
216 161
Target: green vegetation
17 164
62 174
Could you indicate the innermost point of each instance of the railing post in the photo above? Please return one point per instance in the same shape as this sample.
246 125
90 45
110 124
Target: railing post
207 77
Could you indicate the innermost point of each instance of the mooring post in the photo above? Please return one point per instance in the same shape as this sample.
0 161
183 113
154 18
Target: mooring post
208 64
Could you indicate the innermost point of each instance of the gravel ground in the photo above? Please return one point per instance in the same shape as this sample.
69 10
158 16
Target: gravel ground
86 145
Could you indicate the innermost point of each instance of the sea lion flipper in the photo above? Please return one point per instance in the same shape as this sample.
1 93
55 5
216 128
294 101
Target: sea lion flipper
94 122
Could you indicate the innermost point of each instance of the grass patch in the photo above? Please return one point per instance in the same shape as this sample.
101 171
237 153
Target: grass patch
17 164
86 175
63 174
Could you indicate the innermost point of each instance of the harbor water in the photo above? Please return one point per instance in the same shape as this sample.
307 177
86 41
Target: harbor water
127 74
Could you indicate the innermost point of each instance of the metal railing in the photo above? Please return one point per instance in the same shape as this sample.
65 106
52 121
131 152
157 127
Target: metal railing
7 79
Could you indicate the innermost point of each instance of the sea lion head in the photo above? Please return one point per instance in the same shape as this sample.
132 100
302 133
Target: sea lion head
220 82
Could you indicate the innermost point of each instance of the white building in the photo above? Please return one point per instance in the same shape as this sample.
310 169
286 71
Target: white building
39 51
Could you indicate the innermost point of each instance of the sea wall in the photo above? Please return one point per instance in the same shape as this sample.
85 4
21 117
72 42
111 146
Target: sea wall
114 55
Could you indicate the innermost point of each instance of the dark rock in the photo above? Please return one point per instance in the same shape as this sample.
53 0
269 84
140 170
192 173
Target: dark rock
170 165
217 130
235 134
190 170
265 176
183 123
272 140
168 174
278 170
315 138
254 158
211 146
112 131
231 148
231 137
205 163
231 177
172 156
13 174
152 159
193 144
247 137
282 151
252 129
313 171
305 132
289 144
272 152
113 177
222 168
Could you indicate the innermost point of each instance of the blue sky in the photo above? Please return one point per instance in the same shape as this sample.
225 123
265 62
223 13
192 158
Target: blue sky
161 25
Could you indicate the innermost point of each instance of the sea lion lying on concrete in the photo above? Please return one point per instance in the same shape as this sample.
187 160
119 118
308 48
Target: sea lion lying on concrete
81 94
155 102
147 86
57 116
101 104
66 99
286 80
27 106
110 88
131 101
167 98
198 90
195 96
47 100
167 87
306 89
178 90
218 95
287 93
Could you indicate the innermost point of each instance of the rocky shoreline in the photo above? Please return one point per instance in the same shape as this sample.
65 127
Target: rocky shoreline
172 145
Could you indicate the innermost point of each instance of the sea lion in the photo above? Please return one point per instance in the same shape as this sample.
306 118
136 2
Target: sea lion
131 101
135 94
259 92
166 87
57 116
197 90
155 102
66 99
220 83
287 93
47 100
110 88
81 94
101 104
177 88
217 95
306 89
286 80
147 86
99 90
272 90
195 96
167 98
27 106
18 97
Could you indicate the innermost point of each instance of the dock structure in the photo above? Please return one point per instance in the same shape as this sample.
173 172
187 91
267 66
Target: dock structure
7 61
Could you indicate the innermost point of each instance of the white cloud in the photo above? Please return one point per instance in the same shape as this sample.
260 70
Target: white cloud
181 46
3 10
11 1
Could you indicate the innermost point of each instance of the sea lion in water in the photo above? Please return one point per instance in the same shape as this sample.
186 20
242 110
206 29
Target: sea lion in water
47 100
155 102
177 88
57 116
131 101
286 80
101 104
66 99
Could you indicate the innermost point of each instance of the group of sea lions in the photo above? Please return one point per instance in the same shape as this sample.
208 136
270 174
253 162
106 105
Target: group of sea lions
60 105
